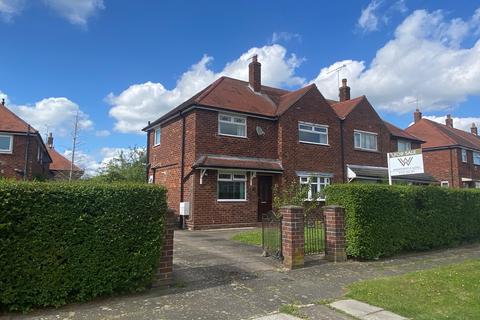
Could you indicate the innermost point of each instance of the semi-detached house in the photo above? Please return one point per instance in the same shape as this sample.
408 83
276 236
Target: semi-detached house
222 151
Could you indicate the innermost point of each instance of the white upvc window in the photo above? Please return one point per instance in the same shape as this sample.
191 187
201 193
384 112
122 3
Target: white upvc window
6 143
476 158
445 184
158 136
365 140
404 145
232 125
232 186
313 133
317 186
464 156
477 185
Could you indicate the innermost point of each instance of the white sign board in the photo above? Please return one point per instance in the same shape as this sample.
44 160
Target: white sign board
405 162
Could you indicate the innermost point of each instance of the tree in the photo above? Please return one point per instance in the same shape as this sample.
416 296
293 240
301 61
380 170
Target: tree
129 166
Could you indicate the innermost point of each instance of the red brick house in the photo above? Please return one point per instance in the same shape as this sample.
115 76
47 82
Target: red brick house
221 151
23 155
451 155
60 167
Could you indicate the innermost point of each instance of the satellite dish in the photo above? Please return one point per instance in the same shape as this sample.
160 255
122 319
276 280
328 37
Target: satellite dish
260 131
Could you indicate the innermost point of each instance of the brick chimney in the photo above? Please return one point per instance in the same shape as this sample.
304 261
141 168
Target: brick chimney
50 140
344 91
417 116
255 74
449 121
3 101
474 129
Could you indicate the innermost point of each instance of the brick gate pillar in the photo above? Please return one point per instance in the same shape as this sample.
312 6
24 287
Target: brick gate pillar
293 238
164 274
335 233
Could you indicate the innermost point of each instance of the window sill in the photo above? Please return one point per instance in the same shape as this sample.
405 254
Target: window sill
232 200
315 143
156 145
231 135
366 150
6 152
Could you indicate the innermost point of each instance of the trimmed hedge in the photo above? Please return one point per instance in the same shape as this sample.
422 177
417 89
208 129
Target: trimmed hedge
384 220
72 242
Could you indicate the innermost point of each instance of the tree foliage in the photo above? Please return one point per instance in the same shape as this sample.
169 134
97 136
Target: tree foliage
129 166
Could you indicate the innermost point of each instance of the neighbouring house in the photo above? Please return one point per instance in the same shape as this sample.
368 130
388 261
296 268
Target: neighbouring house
60 167
23 155
451 155
220 152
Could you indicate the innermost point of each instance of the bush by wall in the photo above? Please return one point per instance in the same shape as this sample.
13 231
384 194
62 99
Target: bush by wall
64 242
384 220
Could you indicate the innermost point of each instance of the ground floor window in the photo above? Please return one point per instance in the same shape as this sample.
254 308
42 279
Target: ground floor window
477 185
232 186
445 184
317 186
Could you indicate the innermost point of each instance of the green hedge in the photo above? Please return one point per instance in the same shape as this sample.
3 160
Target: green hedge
384 220
63 243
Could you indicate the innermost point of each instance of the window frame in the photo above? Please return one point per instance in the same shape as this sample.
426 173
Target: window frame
406 142
232 178
445 184
233 116
10 150
155 142
464 155
319 185
361 132
313 125
476 156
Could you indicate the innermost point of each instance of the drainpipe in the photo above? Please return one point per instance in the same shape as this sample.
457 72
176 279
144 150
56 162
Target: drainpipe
182 164
148 155
27 149
451 167
342 150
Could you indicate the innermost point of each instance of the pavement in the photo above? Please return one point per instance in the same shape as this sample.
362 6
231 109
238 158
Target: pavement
216 278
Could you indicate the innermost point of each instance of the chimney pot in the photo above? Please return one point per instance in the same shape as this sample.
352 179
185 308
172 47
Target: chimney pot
417 116
344 91
449 121
3 101
255 74
474 129
50 140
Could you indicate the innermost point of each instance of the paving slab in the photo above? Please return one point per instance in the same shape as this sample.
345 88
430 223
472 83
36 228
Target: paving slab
355 308
279 316
383 315
323 312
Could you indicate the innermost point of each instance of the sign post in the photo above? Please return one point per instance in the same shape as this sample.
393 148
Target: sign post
404 163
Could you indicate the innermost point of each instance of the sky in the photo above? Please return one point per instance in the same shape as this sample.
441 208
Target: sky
122 63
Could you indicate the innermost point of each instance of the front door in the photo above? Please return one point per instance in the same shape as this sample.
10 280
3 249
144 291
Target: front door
264 195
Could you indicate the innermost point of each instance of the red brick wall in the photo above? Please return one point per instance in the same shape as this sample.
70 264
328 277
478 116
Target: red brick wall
438 163
16 160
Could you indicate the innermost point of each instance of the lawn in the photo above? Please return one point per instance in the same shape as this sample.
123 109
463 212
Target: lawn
450 292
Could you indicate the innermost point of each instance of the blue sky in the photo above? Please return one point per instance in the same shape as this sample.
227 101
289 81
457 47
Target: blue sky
122 63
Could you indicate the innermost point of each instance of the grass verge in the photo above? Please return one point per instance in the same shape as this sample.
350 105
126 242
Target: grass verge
450 292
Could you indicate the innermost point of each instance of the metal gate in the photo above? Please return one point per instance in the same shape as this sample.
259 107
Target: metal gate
272 235
314 233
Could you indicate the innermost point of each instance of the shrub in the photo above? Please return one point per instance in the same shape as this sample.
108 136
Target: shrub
72 242
385 220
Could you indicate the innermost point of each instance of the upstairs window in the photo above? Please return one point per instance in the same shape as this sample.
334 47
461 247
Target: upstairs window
230 125
365 140
158 136
312 133
317 186
404 145
232 186
6 143
476 158
464 156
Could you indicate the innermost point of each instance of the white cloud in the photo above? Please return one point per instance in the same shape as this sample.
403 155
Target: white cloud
56 114
368 19
285 37
422 60
10 8
102 133
76 11
139 103
459 123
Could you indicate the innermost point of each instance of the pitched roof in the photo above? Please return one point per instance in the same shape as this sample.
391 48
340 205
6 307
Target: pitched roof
59 162
10 122
343 109
224 161
237 96
397 132
439 135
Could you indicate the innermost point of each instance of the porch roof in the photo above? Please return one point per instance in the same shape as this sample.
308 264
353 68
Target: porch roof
381 173
211 161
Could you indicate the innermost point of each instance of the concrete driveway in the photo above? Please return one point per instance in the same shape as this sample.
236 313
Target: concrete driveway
217 278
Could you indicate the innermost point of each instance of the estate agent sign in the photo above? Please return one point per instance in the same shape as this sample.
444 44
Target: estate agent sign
405 162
